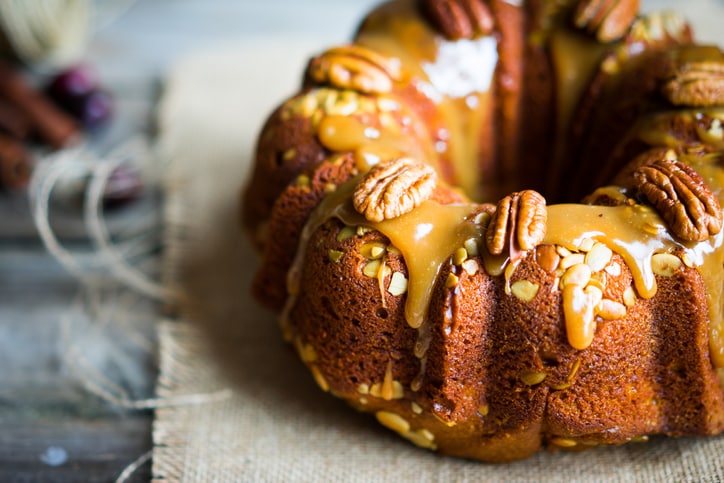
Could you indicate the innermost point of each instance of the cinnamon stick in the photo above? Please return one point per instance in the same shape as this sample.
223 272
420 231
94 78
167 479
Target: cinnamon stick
51 124
16 164
13 121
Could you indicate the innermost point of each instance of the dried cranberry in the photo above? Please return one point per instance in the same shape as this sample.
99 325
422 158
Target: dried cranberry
123 186
77 92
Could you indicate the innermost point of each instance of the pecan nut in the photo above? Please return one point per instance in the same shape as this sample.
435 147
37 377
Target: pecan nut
519 223
393 188
681 197
354 67
608 20
459 19
660 28
698 84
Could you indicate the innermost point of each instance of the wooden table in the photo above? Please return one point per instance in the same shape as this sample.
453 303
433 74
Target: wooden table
51 428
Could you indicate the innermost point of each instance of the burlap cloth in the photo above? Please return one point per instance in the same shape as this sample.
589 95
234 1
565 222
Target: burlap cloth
278 426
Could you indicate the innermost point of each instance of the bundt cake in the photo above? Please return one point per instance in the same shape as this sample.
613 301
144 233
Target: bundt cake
492 330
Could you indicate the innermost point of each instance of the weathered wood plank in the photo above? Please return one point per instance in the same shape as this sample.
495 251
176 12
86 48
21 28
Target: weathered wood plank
74 449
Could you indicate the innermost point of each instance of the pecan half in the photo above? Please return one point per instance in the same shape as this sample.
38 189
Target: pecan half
393 188
459 19
354 67
608 20
681 197
519 223
660 27
699 84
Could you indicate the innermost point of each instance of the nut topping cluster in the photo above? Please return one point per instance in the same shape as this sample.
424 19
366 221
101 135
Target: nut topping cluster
519 223
354 67
698 84
393 188
682 198
608 20
459 19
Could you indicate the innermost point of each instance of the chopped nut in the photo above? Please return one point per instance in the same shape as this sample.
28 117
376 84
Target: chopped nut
373 250
682 198
579 274
482 218
665 264
393 421
524 290
595 294
563 442
460 255
629 296
716 131
393 188
471 246
345 233
416 408
451 281
363 389
562 251
586 244
289 154
614 269
532 378
572 259
335 255
302 181
611 310
363 230
398 284
422 438
471 266
372 268
345 105
484 409
547 257
598 257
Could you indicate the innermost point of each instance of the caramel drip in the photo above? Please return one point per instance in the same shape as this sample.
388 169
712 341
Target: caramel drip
429 235
634 232
426 237
370 145
397 31
575 59
456 76
463 75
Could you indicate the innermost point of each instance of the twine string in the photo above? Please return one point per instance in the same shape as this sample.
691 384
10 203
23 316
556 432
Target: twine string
113 276
48 34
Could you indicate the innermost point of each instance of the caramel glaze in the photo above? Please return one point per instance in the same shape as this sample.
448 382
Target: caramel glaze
458 79
449 87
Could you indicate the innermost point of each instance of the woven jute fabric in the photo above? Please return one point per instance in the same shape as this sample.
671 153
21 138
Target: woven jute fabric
277 426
